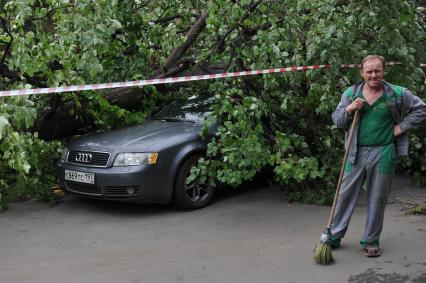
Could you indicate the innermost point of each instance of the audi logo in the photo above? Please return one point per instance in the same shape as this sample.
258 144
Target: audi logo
83 157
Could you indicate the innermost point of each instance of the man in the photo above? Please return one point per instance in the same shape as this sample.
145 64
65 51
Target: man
387 113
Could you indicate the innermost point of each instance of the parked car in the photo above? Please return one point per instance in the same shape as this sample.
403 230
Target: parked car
147 163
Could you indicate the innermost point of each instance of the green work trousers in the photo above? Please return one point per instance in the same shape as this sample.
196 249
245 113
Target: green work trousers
375 167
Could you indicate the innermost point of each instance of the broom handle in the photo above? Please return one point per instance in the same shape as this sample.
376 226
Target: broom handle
342 170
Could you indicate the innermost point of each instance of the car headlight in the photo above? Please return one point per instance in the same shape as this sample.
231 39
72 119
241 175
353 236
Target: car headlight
64 154
138 158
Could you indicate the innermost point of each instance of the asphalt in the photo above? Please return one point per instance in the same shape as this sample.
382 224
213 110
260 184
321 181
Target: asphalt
252 234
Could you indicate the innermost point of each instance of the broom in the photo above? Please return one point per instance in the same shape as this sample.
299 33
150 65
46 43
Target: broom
322 253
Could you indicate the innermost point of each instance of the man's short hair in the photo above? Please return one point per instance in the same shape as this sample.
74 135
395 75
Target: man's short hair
370 57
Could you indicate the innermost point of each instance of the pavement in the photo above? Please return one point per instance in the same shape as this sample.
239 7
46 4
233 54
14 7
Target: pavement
251 234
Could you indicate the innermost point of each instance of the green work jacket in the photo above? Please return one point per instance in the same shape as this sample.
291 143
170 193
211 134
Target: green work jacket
407 110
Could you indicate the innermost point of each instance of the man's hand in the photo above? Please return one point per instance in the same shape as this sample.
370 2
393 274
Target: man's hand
357 104
396 130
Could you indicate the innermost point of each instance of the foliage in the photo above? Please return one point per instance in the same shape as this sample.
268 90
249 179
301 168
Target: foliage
418 209
27 162
238 140
415 206
304 145
415 164
277 121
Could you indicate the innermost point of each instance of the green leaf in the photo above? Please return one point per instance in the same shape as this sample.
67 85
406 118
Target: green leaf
4 123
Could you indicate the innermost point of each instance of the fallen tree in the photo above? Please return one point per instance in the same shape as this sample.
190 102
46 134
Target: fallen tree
282 117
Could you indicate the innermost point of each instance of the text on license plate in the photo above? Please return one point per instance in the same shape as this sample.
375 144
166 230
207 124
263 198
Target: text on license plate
81 177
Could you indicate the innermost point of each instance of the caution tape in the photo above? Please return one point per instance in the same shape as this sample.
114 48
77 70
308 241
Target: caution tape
62 89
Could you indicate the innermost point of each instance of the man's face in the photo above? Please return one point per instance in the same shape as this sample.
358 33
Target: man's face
372 73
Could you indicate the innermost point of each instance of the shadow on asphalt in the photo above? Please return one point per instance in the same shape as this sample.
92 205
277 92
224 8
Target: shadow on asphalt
138 209
246 188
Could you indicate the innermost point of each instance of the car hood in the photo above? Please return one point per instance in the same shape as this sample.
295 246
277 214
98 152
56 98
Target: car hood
152 135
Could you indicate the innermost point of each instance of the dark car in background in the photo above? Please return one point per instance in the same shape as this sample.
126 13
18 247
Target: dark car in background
147 163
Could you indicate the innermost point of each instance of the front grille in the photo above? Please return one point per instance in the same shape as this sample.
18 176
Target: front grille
95 191
116 191
120 191
88 158
83 188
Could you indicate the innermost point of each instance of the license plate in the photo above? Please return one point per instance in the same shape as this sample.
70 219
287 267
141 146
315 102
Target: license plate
81 177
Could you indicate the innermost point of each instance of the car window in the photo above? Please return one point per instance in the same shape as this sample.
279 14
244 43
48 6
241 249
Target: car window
194 109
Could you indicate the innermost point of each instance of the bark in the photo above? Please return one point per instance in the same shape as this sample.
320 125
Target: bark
191 36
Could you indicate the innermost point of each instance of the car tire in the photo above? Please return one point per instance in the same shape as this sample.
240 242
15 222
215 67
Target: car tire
194 195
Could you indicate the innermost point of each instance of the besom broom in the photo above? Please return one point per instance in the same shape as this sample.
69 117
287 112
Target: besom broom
322 253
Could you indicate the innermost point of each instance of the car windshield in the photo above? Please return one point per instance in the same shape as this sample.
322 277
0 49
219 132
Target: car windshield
194 109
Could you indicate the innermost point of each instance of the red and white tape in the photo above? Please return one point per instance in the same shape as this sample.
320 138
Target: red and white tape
171 80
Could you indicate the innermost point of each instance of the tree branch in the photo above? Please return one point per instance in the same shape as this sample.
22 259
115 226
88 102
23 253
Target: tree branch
167 19
221 41
16 76
9 44
182 65
48 14
191 36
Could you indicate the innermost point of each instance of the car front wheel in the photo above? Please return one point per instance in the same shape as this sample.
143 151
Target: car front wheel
195 194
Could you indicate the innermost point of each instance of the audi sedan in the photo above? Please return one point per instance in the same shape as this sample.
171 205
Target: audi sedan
147 163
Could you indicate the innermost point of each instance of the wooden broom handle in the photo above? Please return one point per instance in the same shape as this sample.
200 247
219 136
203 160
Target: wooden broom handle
342 170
